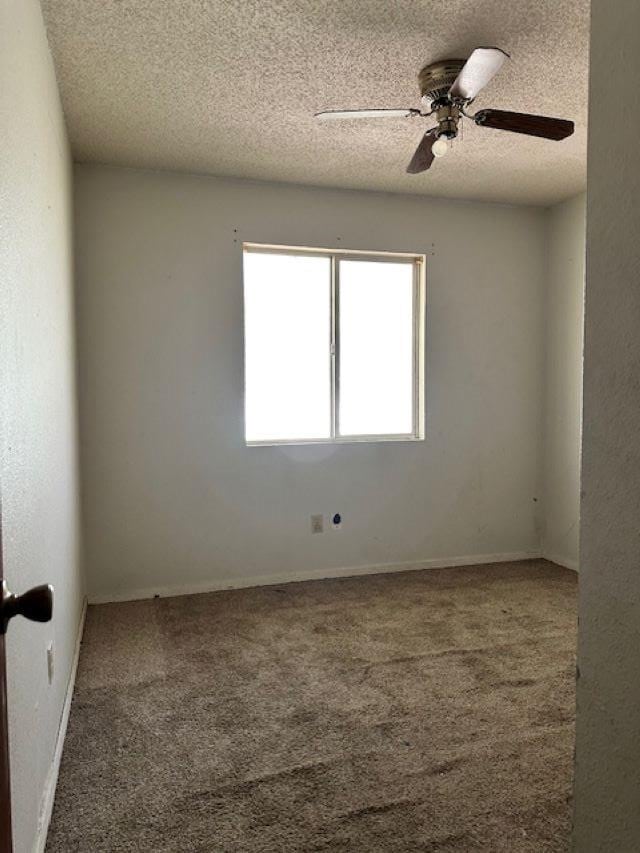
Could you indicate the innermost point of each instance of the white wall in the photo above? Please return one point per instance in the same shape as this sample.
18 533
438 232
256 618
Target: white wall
560 435
37 409
174 499
607 773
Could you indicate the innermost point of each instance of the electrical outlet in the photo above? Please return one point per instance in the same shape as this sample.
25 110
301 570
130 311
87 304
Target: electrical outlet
317 524
50 662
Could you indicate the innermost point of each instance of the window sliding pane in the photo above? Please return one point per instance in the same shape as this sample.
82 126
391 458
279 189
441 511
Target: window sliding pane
376 308
287 346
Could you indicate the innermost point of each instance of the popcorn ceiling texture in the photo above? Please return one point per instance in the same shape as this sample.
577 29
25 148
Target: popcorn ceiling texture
230 88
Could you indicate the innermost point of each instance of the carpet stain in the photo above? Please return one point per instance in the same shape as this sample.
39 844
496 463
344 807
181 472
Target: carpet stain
422 711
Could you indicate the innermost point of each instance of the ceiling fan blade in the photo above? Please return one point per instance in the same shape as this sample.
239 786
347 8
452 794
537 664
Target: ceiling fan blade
423 156
483 64
340 114
543 126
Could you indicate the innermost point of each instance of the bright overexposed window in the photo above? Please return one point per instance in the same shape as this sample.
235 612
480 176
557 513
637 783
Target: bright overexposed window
333 345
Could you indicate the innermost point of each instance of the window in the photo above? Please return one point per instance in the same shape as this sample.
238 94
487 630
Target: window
333 345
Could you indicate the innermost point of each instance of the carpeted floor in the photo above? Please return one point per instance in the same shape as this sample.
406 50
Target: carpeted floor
423 711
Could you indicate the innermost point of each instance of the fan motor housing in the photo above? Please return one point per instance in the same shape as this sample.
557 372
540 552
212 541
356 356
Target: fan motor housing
437 78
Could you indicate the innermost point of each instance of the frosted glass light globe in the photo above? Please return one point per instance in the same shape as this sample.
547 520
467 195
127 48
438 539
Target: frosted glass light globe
440 146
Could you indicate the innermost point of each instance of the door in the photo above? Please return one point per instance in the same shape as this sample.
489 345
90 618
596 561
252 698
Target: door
36 604
5 786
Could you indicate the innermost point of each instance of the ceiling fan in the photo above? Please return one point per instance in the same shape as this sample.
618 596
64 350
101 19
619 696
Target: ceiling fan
448 88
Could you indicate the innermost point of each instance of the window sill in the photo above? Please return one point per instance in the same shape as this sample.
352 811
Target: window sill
351 439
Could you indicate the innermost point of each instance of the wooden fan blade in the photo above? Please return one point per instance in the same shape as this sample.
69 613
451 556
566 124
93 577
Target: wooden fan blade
483 64
340 114
543 126
423 156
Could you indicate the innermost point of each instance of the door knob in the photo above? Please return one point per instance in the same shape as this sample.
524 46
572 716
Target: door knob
35 604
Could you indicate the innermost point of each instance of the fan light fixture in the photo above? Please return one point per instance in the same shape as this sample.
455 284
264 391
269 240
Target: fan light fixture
440 146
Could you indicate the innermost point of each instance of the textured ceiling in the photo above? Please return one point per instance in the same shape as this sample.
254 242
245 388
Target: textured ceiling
229 87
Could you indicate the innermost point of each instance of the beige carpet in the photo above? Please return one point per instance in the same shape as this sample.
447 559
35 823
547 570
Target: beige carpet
423 711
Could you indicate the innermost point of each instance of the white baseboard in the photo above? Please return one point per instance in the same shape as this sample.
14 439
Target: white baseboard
567 562
215 585
48 796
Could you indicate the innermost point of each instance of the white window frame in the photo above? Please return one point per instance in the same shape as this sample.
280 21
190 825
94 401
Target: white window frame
419 331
